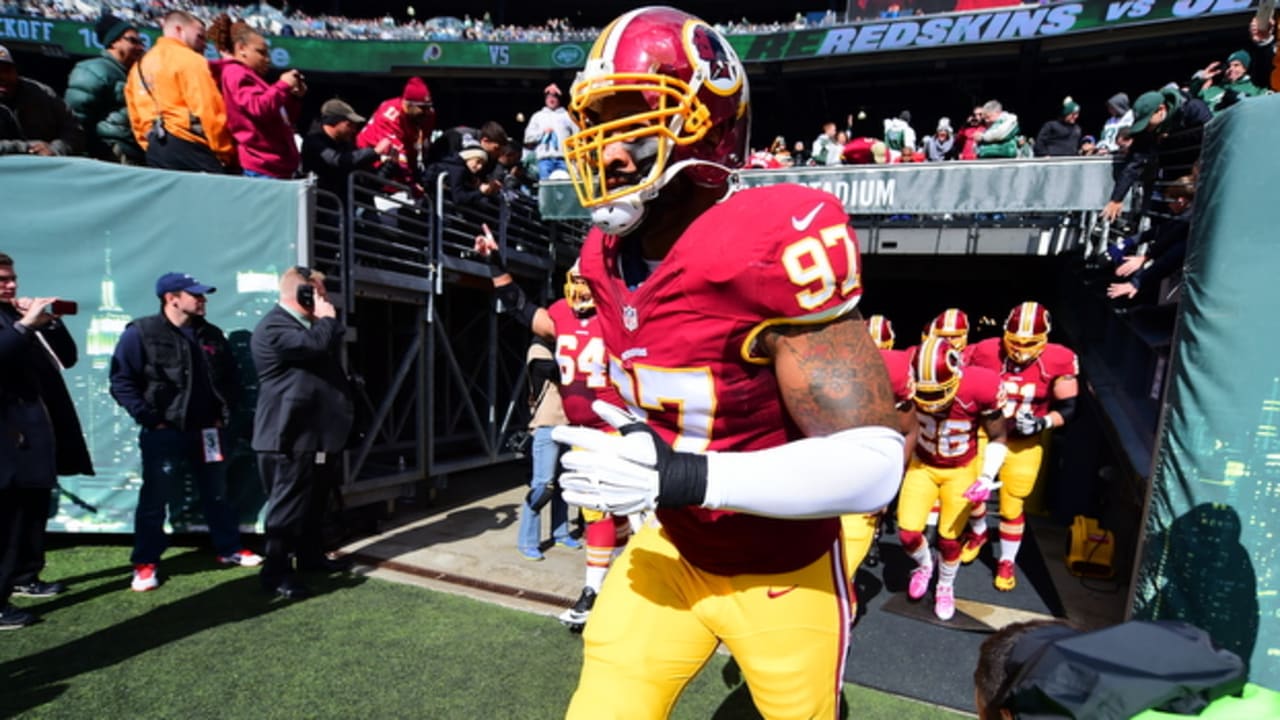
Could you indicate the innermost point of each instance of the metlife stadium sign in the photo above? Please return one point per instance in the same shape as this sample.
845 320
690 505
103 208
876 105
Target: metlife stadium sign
1016 23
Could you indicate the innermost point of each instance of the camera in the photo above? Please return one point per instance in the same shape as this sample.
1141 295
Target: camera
64 307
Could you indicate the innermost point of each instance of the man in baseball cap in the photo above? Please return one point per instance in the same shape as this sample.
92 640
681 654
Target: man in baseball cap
1167 129
174 374
174 282
329 152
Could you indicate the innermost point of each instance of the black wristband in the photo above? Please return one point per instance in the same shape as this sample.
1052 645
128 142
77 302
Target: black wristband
512 301
682 480
682 476
496 260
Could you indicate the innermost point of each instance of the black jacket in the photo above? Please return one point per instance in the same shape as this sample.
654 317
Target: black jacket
304 400
1170 148
1058 139
332 161
40 435
152 374
37 113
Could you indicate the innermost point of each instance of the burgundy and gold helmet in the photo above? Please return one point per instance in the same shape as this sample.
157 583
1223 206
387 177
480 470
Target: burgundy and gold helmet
936 370
881 331
697 120
1026 332
577 293
952 324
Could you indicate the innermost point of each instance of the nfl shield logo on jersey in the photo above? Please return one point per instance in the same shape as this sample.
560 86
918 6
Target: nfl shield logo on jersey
630 320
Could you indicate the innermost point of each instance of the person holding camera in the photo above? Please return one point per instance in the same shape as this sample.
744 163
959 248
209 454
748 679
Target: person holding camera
260 115
173 373
40 436
304 417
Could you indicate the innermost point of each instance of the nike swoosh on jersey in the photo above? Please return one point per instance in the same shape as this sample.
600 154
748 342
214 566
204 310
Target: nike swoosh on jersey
779 593
802 224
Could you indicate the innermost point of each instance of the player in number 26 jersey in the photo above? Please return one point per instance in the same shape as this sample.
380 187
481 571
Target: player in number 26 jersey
951 402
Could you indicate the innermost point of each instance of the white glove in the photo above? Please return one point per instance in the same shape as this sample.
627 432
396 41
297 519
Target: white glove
1028 424
624 474
981 489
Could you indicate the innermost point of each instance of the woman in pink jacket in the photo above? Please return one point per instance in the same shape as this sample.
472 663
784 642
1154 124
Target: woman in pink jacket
261 115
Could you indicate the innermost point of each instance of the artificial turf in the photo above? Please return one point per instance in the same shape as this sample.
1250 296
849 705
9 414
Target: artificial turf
209 644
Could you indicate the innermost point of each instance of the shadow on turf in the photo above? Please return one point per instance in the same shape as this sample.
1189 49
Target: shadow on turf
36 679
738 704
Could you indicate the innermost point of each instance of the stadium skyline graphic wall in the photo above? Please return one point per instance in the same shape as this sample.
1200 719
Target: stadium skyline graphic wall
127 227
1210 549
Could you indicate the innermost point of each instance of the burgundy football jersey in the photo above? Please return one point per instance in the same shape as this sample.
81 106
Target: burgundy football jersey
683 353
584 367
1029 388
949 438
898 363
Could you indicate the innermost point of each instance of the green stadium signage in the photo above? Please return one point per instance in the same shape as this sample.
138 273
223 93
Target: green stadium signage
952 29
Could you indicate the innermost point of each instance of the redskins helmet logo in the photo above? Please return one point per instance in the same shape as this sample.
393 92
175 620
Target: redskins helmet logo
715 57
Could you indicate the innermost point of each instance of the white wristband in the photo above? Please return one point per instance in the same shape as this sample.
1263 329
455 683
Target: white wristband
993 458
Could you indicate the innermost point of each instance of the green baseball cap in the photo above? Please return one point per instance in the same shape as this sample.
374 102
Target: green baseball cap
1143 108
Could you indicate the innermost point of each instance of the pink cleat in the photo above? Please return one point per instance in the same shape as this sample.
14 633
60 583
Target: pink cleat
944 602
919 584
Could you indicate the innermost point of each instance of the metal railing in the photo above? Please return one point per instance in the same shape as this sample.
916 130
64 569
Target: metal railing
438 375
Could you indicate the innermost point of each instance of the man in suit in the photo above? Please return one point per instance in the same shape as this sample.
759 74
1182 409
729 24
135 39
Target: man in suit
301 427
40 438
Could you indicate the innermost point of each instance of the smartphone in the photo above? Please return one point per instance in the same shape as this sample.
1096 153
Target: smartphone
64 307
306 296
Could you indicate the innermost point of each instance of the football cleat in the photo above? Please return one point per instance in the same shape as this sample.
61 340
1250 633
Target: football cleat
935 368
575 618
1026 332
685 110
1006 578
944 602
919 584
973 543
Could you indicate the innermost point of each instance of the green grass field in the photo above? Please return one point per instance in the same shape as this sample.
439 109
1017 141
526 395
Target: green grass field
209 644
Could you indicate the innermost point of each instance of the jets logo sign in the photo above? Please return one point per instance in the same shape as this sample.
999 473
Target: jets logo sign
713 58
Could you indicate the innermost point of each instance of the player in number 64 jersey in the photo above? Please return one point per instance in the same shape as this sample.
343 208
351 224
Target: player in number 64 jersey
572 325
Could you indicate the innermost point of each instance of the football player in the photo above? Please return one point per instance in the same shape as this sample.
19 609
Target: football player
759 409
861 531
952 324
951 402
1040 380
881 332
571 324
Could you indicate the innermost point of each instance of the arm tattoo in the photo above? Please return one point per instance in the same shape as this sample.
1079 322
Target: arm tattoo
831 376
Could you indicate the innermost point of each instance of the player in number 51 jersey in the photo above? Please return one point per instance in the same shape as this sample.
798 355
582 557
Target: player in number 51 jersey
759 409
1040 381
951 402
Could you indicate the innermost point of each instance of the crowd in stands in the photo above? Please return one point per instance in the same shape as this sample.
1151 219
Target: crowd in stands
288 22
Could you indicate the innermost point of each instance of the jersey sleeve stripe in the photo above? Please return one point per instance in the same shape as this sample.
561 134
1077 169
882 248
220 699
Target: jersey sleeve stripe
819 318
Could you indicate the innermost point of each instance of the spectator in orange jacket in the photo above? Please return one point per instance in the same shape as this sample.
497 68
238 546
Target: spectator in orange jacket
177 112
